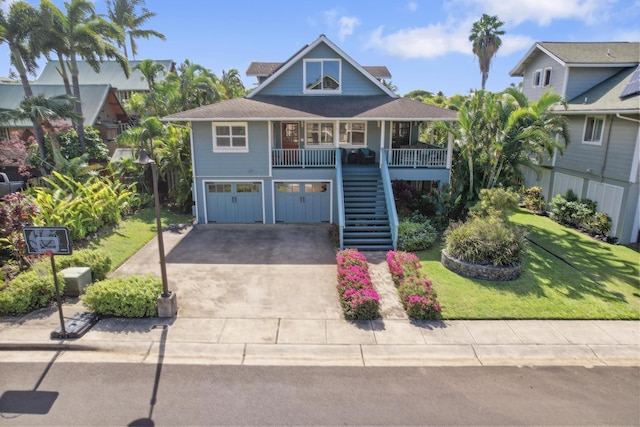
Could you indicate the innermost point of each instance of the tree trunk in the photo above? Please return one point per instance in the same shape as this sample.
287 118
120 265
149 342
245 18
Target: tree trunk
64 74
78 104
39 133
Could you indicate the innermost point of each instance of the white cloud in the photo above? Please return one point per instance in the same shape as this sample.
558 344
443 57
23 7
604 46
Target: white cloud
426 42
345 24
542 12
514 43
412 6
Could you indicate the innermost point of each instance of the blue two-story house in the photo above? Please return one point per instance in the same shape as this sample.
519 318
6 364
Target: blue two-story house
318 140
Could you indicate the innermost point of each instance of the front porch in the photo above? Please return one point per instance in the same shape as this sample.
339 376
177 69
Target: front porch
414 158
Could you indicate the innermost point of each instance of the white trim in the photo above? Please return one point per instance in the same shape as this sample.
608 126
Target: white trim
584 129
242 181
309 48
270 144
230 149
636 158
194 193
302 180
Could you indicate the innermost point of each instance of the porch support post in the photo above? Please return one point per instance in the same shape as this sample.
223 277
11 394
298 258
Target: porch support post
270 144
449 151
382 132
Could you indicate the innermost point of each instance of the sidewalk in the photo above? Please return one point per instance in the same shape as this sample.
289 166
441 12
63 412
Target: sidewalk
330 342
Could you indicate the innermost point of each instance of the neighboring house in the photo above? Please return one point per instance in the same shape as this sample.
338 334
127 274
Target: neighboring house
100 107
318 140
601 82
110 73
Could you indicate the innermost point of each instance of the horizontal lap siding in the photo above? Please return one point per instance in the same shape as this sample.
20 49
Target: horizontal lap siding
541 62
581 157
583 79
622 145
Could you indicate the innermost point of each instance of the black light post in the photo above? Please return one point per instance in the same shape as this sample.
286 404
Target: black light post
167 305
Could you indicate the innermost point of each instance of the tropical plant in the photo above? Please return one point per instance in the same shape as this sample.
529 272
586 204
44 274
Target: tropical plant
416 236
231 84
123 13
533 199
358 298
150 69
497 202
485 38
16 212
17 30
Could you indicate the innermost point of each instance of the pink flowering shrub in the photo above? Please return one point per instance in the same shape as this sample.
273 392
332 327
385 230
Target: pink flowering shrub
415 290
358 298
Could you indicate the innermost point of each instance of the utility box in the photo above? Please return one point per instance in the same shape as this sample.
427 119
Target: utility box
76 280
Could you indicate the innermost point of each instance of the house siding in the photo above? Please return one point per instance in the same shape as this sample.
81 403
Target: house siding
583 79
290 81
540 63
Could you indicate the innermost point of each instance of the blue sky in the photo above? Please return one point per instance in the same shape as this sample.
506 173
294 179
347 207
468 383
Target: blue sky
424 43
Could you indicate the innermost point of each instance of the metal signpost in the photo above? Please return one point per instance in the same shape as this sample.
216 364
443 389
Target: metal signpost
50 241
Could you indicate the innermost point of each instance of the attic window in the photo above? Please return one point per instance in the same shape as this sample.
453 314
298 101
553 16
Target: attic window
537 78
322 75
546 79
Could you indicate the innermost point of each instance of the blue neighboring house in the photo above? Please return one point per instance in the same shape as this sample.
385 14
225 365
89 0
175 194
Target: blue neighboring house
318 140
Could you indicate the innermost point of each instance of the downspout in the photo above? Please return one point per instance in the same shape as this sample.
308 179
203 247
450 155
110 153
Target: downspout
194 190
606 151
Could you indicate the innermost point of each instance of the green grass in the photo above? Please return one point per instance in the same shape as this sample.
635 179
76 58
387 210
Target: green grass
133 233
602 284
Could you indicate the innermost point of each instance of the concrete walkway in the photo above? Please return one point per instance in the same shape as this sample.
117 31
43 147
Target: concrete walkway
267 305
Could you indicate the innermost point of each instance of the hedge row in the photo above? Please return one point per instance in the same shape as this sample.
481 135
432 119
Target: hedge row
358 298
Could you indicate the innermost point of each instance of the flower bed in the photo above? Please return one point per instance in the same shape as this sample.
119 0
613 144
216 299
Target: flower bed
358 298
416 293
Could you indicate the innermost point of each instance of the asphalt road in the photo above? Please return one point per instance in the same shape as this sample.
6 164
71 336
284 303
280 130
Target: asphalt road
147 394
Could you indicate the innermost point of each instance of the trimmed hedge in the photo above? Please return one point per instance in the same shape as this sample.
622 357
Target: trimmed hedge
133 296
98 261
29 290
414 289
358 298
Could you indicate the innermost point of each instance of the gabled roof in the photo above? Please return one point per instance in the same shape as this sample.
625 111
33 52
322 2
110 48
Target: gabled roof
605 97
334 107
110 73
308 48
265 69
94 97
583 54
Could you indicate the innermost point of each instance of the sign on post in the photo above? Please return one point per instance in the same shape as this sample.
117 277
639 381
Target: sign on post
47 240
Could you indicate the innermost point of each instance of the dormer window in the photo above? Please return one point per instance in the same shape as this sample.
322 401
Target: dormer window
322 75
537 78
546 77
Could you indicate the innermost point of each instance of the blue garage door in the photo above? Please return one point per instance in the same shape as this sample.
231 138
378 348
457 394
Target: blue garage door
303 202
234 202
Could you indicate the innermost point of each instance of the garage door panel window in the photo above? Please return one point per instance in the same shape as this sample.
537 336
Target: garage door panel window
288 188
219 188
230 137
316 187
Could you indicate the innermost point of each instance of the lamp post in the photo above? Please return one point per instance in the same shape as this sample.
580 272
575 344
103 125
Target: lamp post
167 304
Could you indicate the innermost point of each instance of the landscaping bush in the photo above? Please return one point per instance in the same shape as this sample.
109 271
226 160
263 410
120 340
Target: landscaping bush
485 241
358 298
572 212
98 261
415 291
416 236
532 199
133 296
495 202
29 290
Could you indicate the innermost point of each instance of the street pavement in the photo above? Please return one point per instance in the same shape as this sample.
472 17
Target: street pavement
264 296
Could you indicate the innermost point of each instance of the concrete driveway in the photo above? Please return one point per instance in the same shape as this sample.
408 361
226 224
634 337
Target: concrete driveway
252 271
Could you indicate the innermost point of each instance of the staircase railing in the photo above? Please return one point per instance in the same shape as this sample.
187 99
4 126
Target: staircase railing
340 194
388 196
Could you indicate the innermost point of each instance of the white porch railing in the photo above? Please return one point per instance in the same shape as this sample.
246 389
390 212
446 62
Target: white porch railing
303 158
417 157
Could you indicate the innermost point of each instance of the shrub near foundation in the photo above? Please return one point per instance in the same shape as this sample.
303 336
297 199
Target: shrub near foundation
133 296
29 290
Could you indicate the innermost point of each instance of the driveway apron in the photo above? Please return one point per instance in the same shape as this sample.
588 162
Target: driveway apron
255 271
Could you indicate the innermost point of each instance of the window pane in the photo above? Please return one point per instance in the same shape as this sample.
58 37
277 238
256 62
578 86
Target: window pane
222 130
597 131
238 130
313 70
239 141
223 142
331 70
327 133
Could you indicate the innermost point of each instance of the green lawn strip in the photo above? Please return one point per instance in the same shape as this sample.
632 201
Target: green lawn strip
548 288
133 233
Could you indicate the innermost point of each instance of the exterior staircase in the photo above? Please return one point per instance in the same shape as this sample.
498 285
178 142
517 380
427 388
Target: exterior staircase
365 210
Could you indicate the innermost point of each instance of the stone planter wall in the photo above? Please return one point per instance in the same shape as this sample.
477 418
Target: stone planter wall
484 272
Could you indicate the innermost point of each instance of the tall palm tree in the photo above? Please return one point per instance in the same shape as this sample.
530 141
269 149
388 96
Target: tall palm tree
123 14
44 111
17 30
87 36
232 84
52 26
485 36
150 70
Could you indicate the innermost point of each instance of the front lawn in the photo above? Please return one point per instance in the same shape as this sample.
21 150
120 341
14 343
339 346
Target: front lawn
602 284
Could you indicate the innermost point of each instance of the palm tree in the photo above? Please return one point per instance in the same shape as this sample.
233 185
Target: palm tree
44 111
88 36
123 14
52 22
232 84
150 70
486 42
17 30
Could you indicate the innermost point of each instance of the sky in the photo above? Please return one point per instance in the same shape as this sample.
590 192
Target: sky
423 43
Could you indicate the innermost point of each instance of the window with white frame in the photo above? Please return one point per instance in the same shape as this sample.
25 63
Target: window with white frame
322 75
230 136
546 77
593 130
319 133
353 133
537 78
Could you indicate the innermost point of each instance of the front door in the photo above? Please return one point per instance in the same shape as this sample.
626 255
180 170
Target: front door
290 141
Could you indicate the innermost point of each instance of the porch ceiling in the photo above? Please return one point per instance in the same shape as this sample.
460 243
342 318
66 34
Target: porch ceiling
269 107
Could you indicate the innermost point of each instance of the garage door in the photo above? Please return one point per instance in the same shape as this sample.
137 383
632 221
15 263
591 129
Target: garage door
234 202
303 202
